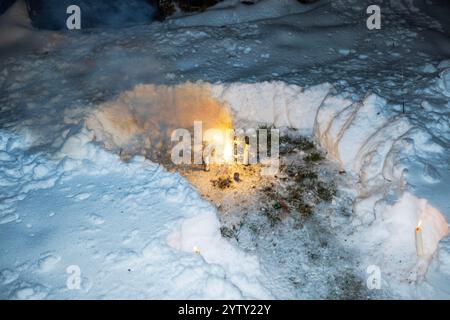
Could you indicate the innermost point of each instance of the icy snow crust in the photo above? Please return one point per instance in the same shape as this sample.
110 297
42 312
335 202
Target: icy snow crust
132 227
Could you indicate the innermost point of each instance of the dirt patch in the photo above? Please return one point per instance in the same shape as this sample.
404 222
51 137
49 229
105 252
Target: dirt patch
295 191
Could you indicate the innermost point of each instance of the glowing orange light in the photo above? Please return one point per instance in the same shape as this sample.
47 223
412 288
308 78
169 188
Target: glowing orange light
228 151
419 226
419 239
223 142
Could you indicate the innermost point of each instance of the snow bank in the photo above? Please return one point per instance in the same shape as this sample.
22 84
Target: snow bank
144 118
368 142
358 134
380 149
234 11
21 173
129 227
155 111
276 103
444 81
200 235
391 239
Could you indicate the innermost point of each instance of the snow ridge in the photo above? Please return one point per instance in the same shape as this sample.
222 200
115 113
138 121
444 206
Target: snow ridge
370 144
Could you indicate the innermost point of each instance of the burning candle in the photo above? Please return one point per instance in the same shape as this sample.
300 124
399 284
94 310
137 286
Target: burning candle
246 154
206 159
228 149
419 240
196 250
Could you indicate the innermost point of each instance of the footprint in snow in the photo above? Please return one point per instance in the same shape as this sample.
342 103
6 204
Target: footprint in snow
96 219
127 239
48 261
9 217
28 291
82 196
175 195
121 256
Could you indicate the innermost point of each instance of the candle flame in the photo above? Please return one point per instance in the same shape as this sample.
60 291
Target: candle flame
228 151
419 226
218 138
224 141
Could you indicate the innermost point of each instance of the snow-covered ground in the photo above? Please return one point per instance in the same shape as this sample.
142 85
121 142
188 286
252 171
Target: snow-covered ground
376 101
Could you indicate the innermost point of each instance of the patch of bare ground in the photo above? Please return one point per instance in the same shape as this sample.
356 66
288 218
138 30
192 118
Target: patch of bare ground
290 220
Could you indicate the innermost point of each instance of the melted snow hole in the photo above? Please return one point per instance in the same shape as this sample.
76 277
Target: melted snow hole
141 121
366 143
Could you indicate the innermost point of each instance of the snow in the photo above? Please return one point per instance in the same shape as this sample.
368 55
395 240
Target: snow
392 235
234 11
138 231
361 136
429 68
362 139
444 64
444 81
165 219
